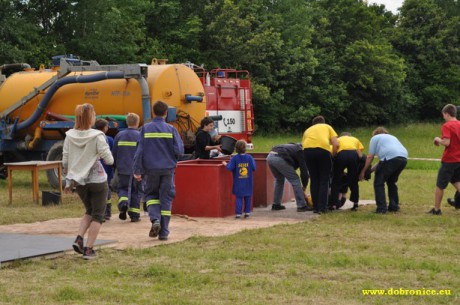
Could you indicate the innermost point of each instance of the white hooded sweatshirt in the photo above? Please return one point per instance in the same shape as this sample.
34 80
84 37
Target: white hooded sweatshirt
81 154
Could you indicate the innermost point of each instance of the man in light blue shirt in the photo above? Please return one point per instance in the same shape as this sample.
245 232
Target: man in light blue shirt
392 157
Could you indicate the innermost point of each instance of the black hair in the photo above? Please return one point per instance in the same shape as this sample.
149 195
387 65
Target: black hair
160 108
318 120
101 124
205 121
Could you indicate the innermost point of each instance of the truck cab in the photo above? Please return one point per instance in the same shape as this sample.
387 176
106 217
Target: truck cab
228 94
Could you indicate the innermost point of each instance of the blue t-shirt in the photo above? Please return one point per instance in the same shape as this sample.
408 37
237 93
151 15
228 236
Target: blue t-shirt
387 147
242 166
108 168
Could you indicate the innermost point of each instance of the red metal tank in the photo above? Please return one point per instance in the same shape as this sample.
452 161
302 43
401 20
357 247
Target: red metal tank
203 189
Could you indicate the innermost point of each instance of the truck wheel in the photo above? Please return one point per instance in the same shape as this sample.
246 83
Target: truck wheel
55 154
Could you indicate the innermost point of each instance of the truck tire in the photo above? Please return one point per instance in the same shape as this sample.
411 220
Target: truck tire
55 154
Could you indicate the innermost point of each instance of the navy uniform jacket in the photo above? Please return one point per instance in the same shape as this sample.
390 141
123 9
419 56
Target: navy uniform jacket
108 168
159 147
293 154
124 150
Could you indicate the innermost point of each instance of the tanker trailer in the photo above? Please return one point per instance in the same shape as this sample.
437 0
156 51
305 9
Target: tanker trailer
37 107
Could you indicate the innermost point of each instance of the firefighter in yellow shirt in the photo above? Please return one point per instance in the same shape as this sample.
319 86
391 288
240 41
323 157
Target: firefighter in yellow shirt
316 142
349 153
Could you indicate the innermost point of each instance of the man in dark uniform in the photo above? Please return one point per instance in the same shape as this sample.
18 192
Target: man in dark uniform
159 148
283 161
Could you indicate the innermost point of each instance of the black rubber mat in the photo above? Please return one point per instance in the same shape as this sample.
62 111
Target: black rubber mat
22 246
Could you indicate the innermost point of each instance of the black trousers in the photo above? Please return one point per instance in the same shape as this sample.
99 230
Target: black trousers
388 172
346 159
319 164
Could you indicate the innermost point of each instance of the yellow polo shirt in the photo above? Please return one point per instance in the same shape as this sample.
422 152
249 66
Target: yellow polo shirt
318 136
349 143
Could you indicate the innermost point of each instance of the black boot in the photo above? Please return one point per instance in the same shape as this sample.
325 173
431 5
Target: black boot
123 211
278 207
108 211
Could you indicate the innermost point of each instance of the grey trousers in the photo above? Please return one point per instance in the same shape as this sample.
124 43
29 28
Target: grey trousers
282 170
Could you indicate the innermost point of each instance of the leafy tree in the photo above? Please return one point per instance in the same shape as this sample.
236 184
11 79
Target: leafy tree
357 65
375 76
429 39
296 61
450 7
177 27
20 38
112 33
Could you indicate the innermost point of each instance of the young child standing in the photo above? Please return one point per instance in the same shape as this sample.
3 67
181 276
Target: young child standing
123 152
242 166
103 125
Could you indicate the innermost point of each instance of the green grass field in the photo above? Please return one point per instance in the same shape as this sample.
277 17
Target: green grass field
329 260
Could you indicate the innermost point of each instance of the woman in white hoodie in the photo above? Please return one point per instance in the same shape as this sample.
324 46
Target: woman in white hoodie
83 147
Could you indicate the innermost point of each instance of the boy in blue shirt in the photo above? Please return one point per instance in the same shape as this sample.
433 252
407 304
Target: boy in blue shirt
242 166
103 125
123 152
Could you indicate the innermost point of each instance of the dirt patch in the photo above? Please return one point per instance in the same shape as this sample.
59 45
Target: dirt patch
135 235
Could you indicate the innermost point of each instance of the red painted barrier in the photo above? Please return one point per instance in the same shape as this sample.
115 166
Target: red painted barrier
203 189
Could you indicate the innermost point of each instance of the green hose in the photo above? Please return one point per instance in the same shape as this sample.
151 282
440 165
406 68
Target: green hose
116 117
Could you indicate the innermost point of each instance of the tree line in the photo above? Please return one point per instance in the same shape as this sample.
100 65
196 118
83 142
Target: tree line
355 63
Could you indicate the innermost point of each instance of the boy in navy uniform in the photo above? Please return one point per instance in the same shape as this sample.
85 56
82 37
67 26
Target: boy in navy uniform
103 125
123 152
159 148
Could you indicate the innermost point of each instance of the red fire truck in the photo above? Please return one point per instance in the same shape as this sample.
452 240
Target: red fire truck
228 95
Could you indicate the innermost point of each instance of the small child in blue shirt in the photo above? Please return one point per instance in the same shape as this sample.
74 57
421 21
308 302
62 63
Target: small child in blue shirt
103 125
242 166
